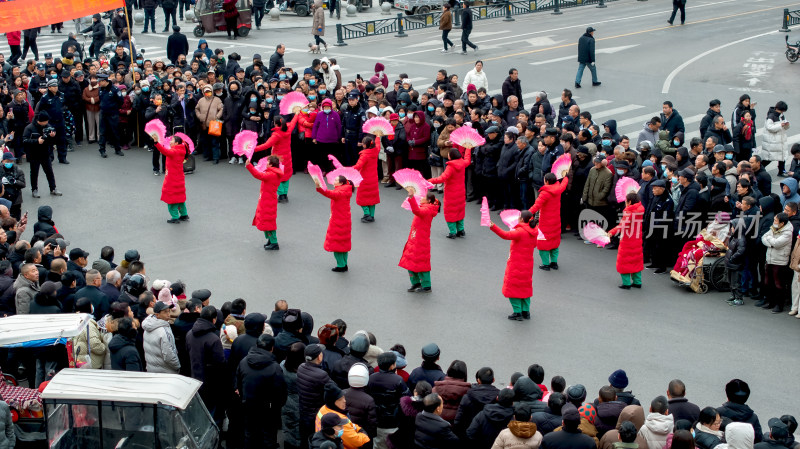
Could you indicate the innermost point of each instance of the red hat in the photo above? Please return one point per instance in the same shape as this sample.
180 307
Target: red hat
394 116
471 87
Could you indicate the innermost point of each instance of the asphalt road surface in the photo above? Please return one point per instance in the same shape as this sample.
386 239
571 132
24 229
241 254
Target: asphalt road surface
583 326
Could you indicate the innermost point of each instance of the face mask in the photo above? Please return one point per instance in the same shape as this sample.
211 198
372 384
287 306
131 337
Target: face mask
676 143
494 122
323 91
208 94
590 132
436 124
380 110
282 76
312 82
663 167
402 103
606 143
674 180
312 97
304 111
122 14
402 114
327 111
729 156
340 433
431 108
253 100
269 100
139 61
621 172
138 91
280 97
157 102
603 153
8 165
252 110
145 89
219 94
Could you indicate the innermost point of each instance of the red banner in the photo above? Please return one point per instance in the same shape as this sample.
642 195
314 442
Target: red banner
23 14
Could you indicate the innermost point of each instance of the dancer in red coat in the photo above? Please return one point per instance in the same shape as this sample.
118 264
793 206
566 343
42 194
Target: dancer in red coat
281 143
518 280
630 256
368 194
173 191
455 195
337 239
267 209
417 252
548 204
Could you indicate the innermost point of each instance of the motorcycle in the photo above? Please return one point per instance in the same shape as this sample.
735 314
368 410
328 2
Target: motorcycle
792 51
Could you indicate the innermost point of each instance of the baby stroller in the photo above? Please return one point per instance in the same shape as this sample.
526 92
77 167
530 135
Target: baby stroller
701 262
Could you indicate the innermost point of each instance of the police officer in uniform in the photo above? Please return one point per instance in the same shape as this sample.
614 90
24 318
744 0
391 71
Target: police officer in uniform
53 103
353 116
110 102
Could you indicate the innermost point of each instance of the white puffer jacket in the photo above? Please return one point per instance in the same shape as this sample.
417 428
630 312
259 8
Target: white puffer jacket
655 430
160 352
774 143
779 244
477 78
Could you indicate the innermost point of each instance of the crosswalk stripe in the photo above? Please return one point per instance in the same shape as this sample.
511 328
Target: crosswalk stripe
591 104
640 119
693 119
612 112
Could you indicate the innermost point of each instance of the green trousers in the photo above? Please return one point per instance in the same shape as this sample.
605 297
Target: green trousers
455 226
520 304
272 236
369 210
341 259
627 277
177 210
283 188
549 257
422 278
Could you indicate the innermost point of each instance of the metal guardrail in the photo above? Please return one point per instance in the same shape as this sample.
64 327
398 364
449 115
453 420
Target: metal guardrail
790 18
403 22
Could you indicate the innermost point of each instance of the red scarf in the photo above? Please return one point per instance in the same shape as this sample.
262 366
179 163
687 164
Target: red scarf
747 129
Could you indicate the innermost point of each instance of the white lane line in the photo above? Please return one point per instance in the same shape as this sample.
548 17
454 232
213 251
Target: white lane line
590 104
615 111
693 119
639 119
674 73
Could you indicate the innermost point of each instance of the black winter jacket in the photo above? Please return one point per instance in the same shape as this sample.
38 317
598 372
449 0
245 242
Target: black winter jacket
260 382
433 432
567 440
488 156
183 324
124 356
546 421
7 296
311 381
341 369
681 408
362 410
705 440
488 424
586 49
177 45
206 355
507 164
472 403
387 388
741 413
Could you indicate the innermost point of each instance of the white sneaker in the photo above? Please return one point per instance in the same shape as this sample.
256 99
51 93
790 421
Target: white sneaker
443 51
241 161
233 160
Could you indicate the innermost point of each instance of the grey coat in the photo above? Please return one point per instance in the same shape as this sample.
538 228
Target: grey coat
26 290
7 437
160 352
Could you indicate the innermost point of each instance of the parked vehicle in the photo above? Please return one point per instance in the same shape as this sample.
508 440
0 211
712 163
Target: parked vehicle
106 409
792 51
210 17
411 7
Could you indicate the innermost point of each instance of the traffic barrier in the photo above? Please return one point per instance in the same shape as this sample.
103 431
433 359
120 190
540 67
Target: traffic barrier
789 18
504 9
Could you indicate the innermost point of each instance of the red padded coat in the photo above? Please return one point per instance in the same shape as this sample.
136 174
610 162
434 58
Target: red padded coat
267 210
548 204
417 252
630 257
518 280
306 123
455 190
337 239
173 191
368 193
281 144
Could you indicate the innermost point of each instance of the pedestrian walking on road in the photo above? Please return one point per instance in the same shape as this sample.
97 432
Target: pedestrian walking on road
446 25
231 18
586 57
13 39
29 41
676 5
170 8
318 27
466 27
